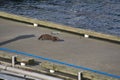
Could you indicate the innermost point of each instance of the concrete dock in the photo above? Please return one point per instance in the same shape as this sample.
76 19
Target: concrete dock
75 49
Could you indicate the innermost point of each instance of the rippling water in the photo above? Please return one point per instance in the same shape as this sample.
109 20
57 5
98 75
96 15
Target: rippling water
98 15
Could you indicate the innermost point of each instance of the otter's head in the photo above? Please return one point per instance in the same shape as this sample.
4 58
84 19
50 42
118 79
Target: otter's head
55 39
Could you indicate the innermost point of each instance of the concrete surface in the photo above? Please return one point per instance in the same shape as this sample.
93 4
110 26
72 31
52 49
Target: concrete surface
61 27
95 54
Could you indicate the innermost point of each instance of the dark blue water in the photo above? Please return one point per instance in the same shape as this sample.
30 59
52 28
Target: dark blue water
98 15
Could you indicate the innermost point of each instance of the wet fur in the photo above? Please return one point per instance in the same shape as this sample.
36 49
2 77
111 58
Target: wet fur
48 37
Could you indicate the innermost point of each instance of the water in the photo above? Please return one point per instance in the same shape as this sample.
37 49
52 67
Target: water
97 15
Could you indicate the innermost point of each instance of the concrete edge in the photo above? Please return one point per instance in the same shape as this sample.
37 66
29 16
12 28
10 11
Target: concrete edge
73 71
59 68
61 27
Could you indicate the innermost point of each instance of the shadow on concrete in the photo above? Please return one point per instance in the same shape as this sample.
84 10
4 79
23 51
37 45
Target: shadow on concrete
16 38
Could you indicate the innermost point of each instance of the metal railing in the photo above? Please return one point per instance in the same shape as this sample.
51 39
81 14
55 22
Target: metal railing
60 62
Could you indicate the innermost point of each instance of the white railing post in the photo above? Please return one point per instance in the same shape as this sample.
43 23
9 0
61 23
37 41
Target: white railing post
80 75
13 60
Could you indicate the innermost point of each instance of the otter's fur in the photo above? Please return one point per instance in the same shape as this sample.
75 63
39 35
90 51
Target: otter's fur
48 37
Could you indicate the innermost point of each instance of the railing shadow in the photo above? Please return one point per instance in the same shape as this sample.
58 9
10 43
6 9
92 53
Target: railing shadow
16 38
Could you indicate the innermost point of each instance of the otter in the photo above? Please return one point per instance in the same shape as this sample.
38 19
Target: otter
48 37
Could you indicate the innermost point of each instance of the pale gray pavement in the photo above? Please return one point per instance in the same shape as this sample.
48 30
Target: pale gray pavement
95 54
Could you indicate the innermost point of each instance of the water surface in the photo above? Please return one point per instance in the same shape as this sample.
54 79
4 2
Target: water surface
98 15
